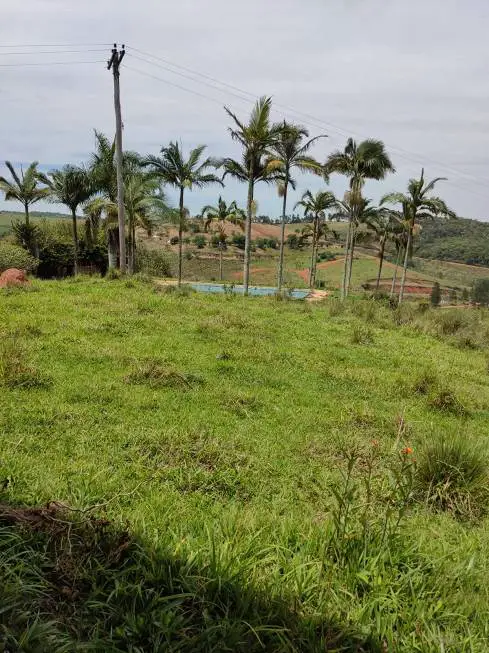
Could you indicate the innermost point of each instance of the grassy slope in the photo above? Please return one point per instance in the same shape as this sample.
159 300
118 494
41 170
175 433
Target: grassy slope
246 460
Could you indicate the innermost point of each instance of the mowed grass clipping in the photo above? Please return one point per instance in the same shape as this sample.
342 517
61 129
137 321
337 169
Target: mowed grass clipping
220 430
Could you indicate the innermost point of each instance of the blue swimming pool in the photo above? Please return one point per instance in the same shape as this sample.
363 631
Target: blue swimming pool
252 290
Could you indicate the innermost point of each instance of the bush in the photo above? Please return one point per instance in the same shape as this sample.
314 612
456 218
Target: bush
13 256
435 297
200 241
452 474
153 262
480 292
174 240
238 240
326 256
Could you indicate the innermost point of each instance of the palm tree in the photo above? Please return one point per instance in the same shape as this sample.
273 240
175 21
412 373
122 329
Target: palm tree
70 186
143 199
315 207
172 168
417 205
358 162
289 152
102 169
256 138
384 223
25 187
357 210
223 212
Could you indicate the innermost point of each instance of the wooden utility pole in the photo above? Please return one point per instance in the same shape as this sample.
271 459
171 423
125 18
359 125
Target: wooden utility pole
114 63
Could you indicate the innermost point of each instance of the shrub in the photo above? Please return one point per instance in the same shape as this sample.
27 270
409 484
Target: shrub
480 292
435 297
153 262
174 240
326 256
238 240
200 241
336 307
452 474
13 256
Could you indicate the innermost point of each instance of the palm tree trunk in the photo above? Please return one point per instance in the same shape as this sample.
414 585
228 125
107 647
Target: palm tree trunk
112 242
312 272
381 262
220 262
180 237
249 210
75 241
350 261
282 238
394 278
347 251
133 236
26 210
404 270
130 252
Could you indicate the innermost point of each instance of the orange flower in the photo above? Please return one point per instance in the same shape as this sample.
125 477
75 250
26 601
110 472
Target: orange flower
407 451
375 443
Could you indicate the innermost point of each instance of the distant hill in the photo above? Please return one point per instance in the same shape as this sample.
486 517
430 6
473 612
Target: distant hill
7 217
458 239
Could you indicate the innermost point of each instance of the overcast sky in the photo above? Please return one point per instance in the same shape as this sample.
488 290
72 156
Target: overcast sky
411 72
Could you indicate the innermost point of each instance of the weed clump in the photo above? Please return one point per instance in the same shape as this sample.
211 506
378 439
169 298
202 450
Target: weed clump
362 335
453 475
158 375
425 383
445 399
15 370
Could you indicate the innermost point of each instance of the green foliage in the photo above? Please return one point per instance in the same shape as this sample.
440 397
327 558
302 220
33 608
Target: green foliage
326 256
453 474
266 243
435 297
457 239
201 241
158 375
153 262
13 256
238 240
480 292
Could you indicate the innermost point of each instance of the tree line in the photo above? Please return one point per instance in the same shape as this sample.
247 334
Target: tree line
271 153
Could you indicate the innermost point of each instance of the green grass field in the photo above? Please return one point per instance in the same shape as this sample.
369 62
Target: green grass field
219 432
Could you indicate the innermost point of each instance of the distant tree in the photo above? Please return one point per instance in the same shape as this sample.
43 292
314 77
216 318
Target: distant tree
417 204
174 169
452 296
223 212
315 207
480 292
71 186
256 138
435 297
289 152
384 224
24 187
358 162
357 210
465 295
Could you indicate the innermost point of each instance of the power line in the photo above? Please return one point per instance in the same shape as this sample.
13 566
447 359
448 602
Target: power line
47 63
36 52
406 154
54 45
219 102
